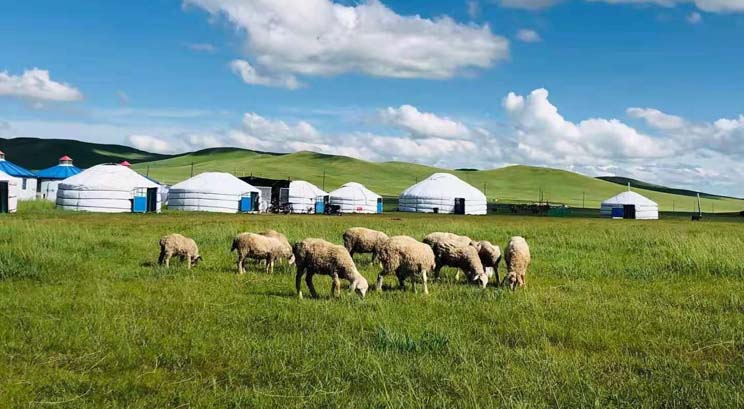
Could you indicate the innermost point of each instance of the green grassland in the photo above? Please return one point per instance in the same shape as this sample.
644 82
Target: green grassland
615 314
512 184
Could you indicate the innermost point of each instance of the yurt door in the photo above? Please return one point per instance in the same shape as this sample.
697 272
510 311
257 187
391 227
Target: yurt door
254 201
629 212
459 205
152 200
4 197
379 205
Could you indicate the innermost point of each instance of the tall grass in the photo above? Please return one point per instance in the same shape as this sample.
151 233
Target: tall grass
615 314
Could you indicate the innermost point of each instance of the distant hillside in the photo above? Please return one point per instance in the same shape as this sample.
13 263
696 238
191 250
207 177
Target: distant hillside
513 184
657 188
35 154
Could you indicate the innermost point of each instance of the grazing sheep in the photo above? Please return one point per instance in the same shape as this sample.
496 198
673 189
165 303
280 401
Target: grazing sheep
178 245
490 255
460 252
517 257
282 238
261 247
317 256
363 240
406 257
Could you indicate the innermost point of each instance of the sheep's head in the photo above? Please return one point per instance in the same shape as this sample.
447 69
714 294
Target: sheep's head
481 280
512 280
360 286
291 258
196 259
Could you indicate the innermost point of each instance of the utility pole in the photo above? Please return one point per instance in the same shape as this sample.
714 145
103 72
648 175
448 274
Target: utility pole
192 169
147 172
485 190
324 180
583 200
674 207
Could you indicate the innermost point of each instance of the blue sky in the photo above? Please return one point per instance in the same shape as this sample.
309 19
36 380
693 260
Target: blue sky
650 90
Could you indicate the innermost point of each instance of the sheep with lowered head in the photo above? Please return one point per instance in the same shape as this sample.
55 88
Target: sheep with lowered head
363 240
261 247
317 256
180 246
517 258
460 252
490 255
406 257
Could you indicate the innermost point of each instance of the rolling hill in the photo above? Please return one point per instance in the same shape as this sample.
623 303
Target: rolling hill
513 184
650 186
35 154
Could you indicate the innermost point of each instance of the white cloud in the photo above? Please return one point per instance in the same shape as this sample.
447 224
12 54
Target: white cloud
203 47
543 135
249 75
424 124
36 85
150 144
657 119
528 36
320 37
528 4
694 18
473 7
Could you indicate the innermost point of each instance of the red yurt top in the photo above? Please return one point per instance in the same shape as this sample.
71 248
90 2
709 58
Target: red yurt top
65 158
125 163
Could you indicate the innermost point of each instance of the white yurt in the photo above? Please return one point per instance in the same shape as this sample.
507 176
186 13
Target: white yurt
630 205
214 192
304 197
8 193
355 198
442 193
109 188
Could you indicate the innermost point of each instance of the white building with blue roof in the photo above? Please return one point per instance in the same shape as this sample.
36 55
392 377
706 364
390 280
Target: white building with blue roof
50 178
27 181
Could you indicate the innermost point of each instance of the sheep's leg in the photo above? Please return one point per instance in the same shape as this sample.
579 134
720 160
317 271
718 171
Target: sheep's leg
298 281
424 279
268 265
310 286
401 282
161 259
380 278
413 284
438 270
168 256
335 286
189 259
241 261
457 275
496 275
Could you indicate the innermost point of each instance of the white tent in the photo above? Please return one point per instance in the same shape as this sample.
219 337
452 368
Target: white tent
109 188
213 192
303 196
630 205
355 198
8 193
442 193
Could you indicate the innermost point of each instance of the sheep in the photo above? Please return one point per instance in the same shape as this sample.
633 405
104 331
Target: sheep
460 252
317 256
282 238
181 246
517 257
261 247
363 240
406 257
490 256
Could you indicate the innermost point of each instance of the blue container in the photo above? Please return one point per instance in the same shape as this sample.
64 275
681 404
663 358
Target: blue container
246 204
379 206
618 213
320 206
139 204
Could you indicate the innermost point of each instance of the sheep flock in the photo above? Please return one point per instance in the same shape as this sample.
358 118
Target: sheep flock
405 257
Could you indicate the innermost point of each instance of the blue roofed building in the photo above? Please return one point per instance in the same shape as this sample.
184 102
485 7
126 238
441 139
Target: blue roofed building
49 178
27 181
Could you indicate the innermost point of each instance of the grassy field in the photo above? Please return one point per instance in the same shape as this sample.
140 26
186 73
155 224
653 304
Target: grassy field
615 314
511 184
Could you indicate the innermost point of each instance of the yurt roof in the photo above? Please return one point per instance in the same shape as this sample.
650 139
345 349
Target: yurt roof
300 188
215 183
355 191
629 198
14 170
58 172
108 177
444 185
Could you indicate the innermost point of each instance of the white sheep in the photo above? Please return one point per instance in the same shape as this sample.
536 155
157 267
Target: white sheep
517 258
180 246
317 256
261 247
460 252
490 255
363 240
406 257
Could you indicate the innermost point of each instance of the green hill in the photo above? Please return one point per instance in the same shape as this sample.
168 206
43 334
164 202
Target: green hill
620 180
35 153
514 184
